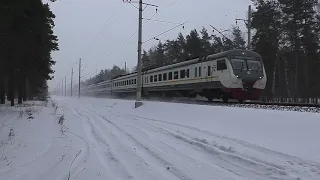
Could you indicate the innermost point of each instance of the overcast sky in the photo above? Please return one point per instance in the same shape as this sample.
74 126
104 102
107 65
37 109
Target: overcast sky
98 31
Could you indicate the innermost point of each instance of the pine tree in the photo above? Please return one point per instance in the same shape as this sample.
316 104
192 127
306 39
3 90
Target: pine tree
194 44
26 46
266 41
206 42
300 30
238 39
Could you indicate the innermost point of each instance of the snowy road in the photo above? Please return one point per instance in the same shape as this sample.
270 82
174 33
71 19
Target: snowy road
115 141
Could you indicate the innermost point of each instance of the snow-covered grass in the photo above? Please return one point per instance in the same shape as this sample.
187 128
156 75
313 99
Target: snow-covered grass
91 138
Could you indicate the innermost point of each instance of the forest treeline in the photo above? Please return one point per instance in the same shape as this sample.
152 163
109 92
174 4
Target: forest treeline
286 33
181 49
26 43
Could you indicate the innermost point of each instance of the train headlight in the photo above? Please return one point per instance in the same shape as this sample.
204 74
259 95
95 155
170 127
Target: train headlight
260 77
237 76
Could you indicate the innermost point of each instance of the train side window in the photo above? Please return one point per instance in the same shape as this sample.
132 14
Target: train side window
135 81
195 71
170 75
131 81
221 65
200 74
160 77
164 76
209 70
176 75
151 78
187 73
155 78
182 74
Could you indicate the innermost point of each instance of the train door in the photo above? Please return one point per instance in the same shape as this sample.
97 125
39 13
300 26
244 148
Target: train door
223 72
208 71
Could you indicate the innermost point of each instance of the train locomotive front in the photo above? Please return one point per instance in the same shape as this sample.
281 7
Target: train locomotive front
247 76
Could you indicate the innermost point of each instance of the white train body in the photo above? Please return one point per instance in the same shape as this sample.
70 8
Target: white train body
234 74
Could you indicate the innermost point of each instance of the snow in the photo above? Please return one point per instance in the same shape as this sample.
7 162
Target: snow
110 139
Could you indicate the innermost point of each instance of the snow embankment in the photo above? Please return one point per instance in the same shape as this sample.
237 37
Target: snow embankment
294 133
91 138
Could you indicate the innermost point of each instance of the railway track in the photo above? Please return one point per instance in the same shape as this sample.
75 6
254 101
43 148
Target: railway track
300 107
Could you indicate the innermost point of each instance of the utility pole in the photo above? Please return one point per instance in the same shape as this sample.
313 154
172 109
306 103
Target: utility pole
248 23
79 75
65 86
71 80
249 28
125 66
138 102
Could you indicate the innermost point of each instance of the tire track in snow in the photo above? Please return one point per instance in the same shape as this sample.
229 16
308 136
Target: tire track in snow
224 164
171 168
268 169
141 157
76 166
296 160
107 157
286 161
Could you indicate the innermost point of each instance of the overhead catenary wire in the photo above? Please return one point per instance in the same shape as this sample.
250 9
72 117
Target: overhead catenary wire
165 32
162 21
106 26
123 43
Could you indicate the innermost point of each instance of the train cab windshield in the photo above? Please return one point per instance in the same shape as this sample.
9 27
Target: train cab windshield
240 64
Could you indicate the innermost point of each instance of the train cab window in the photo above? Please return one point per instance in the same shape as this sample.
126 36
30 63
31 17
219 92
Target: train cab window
200 74
164 76
176 75
151 78
170 76
187 73
182 74
209 70
221 65
135 81
155 78
160 77
195 71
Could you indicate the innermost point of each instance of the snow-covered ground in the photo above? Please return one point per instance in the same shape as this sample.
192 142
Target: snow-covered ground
109 139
